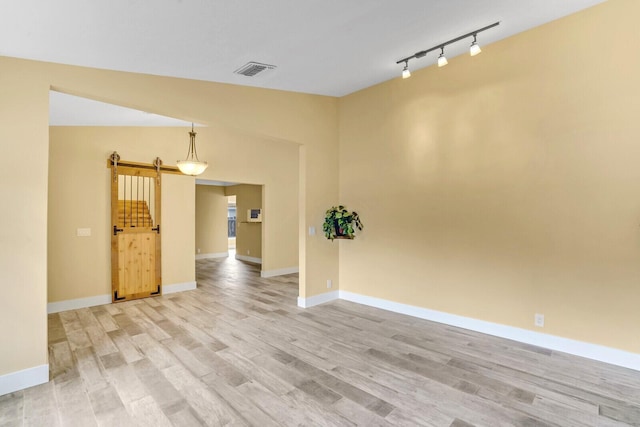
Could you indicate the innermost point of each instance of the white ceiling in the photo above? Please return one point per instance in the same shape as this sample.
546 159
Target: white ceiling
328 47
69 110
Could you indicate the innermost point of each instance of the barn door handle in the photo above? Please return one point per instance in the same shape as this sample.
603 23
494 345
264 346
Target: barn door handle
156 229
116 230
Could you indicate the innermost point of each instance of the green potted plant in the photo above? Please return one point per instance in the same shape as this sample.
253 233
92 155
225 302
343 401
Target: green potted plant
339 223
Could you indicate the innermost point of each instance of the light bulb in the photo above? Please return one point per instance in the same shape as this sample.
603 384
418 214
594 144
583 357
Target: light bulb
474 49
442 60
406 73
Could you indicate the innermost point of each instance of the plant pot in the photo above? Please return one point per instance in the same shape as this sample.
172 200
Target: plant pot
340 234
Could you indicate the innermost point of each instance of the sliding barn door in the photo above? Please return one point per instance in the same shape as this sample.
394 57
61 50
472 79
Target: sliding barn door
135 240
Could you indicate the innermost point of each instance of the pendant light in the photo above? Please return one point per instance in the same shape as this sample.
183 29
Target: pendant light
191 165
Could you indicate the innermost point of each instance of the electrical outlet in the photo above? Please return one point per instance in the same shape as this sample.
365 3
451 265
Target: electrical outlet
538 320
198 250
248 252
329 283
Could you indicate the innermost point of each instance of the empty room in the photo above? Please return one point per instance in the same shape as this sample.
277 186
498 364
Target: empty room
320 213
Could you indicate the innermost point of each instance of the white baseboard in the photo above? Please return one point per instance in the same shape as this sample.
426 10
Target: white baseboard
279 272
24 379
579 348
249 259
318 299
178 287
212 255
72 304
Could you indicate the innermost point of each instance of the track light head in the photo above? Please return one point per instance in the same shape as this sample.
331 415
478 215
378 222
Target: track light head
442 60
475 48
405 72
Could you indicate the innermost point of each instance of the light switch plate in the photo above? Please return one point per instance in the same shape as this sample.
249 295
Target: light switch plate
83 232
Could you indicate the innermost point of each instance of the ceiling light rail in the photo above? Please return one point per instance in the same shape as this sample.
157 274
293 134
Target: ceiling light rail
442 60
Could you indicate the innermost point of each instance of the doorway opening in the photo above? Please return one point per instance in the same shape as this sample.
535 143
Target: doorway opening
224 225
232 218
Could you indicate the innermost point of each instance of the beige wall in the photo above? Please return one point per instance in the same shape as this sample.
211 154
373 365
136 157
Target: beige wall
249 235
506 184
178 236
211 220
79 197
23 237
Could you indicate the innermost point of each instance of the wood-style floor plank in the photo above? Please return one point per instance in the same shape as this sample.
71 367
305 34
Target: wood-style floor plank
238 351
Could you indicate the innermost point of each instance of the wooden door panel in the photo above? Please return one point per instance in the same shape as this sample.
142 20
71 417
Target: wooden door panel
136 263
135 243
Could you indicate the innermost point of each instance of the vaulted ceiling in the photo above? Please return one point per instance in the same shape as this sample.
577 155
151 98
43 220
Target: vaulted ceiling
327 47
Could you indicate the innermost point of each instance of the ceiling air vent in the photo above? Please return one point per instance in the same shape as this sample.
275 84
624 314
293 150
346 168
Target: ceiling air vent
250 69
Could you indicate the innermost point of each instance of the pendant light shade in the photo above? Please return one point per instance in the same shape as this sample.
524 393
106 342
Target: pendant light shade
192 165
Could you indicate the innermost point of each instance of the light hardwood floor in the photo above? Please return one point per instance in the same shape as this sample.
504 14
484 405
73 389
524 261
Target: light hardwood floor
237 351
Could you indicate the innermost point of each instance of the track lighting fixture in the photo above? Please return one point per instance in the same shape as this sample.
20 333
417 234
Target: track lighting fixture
474 49
442 60
405 72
